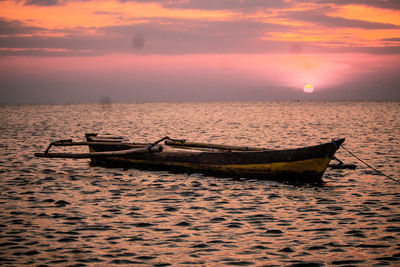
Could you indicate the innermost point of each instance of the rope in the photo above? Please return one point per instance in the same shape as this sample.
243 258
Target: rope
366 164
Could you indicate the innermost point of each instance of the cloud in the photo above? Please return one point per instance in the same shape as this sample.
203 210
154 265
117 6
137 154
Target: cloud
159 36
164 36
174 36
186 4
233 4
388 4
391 39
383 50
48 46
262 4
227 4
13 27
44 2
318 18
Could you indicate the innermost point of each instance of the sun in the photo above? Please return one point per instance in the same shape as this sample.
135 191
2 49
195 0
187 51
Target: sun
308 88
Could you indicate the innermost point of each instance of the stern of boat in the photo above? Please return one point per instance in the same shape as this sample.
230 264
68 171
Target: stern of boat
94 138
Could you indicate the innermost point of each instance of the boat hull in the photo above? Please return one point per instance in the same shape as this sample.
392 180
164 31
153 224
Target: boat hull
301 165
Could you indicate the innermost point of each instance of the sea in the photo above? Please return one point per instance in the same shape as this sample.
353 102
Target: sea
65 212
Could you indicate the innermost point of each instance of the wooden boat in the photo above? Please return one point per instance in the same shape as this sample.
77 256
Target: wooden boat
299 165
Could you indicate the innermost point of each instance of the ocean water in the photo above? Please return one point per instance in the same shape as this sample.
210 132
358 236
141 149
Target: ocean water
64 212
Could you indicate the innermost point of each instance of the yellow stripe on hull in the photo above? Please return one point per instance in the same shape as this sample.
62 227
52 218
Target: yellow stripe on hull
317 165
301 166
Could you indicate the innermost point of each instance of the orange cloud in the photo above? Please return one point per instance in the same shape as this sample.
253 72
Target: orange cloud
99 13
336 37
367 13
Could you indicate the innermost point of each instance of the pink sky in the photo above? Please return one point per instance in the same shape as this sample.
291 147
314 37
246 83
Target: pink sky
81 51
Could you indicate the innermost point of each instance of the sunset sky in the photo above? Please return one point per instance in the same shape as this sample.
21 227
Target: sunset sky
54 51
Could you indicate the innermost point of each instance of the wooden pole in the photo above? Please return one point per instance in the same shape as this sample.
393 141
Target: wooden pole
99 154
206 145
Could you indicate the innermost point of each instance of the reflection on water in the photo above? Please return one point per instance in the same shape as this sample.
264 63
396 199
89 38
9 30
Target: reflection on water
65 212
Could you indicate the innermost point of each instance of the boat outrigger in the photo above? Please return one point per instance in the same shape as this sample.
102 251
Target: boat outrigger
299 165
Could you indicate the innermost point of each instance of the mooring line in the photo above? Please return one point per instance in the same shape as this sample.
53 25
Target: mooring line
377 171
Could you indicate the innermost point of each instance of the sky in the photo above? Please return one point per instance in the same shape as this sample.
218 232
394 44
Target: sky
80 51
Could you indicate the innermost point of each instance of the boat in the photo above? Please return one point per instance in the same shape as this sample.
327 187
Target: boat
296 165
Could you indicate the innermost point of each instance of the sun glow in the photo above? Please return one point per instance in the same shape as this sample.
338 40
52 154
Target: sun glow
308 88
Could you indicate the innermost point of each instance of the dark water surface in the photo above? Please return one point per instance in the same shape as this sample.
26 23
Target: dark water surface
64 212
